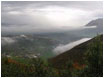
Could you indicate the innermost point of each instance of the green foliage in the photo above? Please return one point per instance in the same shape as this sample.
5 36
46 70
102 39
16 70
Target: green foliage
94 58
11 70
38 67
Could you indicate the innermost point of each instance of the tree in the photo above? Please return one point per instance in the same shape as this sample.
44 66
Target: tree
94 58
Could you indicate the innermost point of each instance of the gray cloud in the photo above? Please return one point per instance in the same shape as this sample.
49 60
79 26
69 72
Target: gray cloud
47 16
77 4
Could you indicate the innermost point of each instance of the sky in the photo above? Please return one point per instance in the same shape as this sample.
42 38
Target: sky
48 16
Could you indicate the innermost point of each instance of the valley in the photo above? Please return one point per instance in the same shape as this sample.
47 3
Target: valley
51 38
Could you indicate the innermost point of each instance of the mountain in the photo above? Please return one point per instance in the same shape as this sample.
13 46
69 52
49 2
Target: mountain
98 22
90 29
76 54
43 44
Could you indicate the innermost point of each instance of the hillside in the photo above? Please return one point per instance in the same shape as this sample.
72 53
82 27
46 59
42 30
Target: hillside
76 54
83 60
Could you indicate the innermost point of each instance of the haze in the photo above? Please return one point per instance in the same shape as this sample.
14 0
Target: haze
48 16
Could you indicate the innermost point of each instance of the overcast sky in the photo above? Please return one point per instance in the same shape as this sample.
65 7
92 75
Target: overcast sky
47 16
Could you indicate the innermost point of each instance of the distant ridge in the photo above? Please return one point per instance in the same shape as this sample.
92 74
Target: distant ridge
97 22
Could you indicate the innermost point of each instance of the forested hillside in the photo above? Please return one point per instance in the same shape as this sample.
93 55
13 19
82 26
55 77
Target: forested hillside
84 60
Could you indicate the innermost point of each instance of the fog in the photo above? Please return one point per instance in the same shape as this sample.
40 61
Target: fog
7 40
62 48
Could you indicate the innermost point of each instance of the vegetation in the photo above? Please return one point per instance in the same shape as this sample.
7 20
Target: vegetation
91 66
94 58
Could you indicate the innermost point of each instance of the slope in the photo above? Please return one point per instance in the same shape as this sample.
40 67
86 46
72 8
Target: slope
76 54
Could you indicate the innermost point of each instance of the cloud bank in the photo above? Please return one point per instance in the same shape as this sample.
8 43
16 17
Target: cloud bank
62 48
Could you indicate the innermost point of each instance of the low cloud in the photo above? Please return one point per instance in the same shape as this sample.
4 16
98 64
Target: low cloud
62 48
90 27
7 40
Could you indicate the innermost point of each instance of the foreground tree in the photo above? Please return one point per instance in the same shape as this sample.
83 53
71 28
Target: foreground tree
95 58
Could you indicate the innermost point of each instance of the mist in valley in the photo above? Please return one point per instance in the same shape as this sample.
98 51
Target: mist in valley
47 29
